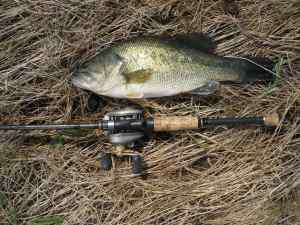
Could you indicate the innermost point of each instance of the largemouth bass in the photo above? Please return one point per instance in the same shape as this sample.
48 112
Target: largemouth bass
149 67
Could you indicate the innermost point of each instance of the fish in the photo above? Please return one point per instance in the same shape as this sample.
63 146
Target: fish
154 66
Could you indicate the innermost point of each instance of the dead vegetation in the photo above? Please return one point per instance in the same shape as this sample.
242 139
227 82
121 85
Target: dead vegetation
216 176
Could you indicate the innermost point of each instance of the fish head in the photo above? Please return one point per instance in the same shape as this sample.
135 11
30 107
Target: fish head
99 75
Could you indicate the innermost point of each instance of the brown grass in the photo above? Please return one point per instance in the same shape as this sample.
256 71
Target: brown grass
217 176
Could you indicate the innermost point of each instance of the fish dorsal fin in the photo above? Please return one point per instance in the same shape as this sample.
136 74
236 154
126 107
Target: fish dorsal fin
198 41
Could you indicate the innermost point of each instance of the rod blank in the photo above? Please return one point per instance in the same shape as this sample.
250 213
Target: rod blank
48 127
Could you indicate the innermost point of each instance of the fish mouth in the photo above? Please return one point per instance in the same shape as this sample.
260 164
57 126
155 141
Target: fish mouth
85 80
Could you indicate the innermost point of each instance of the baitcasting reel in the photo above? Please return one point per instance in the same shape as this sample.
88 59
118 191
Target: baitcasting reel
124 140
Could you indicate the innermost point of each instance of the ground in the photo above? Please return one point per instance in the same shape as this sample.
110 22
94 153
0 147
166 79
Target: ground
215 176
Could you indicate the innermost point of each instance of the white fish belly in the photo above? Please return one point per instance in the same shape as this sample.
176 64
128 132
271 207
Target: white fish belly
165 84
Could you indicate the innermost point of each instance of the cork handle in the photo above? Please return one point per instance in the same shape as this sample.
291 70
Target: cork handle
174 123
272 120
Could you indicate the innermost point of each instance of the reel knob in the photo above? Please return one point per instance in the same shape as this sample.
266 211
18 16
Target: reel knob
137 164
105 160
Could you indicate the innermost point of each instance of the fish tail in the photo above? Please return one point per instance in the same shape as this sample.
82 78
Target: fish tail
257 69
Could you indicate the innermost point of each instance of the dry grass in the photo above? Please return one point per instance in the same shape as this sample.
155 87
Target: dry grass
217 176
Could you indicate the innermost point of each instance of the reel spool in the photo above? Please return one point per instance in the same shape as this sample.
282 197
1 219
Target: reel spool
123 139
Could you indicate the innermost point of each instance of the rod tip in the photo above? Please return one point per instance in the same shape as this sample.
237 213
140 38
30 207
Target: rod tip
272 120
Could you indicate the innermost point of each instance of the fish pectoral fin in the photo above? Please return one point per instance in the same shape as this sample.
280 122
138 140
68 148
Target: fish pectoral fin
209 88
198 41
138 76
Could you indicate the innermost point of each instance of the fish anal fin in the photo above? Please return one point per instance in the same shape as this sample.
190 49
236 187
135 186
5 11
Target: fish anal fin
209 88
138 76
198 41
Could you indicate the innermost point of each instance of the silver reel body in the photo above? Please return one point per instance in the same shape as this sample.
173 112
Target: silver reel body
125 137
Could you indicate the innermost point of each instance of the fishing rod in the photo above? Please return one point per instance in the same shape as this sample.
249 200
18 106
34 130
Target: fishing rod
127 126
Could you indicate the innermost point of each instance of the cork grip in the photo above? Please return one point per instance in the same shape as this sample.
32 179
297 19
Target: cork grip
174 123
272 120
